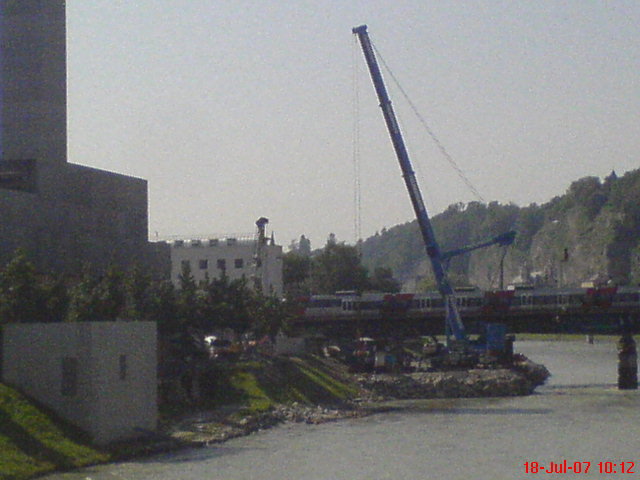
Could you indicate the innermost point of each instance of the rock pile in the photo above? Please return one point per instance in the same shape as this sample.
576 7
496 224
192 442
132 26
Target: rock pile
522 379
223 424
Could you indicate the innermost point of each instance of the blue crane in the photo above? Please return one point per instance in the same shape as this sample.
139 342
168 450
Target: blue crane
438 258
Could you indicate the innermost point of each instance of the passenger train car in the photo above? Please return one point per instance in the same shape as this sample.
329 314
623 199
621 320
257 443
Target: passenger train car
473 303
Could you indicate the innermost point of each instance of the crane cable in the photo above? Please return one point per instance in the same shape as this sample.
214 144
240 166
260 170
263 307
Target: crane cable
357 199
429 131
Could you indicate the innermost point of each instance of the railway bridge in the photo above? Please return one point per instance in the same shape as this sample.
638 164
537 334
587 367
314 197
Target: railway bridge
534 311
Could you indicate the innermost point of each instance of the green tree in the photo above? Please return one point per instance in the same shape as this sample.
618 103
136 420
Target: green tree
22 299
163 307
138 294
336 268
97 298
269 315
110 296
57 299
383 281
227 304
295 274
189 301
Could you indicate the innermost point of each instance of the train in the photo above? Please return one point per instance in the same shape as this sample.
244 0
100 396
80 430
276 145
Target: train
476 304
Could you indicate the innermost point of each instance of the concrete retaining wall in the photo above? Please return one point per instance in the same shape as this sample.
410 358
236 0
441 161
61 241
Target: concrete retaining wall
101 376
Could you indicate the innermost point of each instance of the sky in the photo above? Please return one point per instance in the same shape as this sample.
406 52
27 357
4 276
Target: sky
234 110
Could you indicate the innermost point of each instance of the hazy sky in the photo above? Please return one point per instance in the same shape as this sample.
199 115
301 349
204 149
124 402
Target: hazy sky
234 110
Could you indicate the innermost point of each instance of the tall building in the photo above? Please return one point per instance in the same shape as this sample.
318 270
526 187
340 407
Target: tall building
63 214
34 81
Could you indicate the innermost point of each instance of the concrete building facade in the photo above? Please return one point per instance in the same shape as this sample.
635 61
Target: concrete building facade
63 214
254 258
100 376
33 98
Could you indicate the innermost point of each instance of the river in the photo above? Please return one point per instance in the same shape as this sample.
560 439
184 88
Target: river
578 416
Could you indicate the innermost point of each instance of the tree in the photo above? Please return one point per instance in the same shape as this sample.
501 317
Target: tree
56 296
97 298
138 294
269 315
383 281
337 268
226 304
163 307
22 299
110 295
295 274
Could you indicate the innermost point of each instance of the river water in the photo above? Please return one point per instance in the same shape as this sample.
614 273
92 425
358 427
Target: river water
579 416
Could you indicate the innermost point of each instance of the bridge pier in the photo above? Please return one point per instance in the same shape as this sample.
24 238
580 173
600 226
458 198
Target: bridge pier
627 362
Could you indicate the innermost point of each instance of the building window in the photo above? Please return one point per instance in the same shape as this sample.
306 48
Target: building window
69 386
123 367
203 264
186 265
222 264
238 263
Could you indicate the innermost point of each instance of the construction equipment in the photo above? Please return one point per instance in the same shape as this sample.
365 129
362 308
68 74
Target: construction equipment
453 324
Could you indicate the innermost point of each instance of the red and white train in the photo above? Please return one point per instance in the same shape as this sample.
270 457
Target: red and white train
473 303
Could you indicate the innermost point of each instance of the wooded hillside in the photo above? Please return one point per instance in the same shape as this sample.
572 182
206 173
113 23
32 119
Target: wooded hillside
592 232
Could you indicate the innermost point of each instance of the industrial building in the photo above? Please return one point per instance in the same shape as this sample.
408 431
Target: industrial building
64 215
254 257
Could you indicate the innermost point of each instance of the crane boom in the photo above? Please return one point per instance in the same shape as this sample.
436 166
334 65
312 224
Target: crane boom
453 322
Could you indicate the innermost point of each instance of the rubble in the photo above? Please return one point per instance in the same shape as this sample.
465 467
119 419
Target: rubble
219 426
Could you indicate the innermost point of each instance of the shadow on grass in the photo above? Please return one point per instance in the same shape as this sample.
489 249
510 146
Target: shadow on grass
30 445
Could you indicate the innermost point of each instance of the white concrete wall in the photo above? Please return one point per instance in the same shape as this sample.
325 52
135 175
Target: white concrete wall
107 407
271 271
124 404
272 282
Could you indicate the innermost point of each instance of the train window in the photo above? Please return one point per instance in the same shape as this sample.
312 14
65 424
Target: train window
575 299
421 303
476 302
544 300
324 303
372 305
627 297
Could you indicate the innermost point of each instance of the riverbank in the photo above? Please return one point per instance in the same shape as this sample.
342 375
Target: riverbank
239 398
368 392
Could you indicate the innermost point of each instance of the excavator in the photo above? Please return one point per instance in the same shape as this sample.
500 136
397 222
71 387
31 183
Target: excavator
456 337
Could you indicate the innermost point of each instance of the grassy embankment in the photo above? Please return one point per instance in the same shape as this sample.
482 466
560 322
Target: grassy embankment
33 441
259 385
236 395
